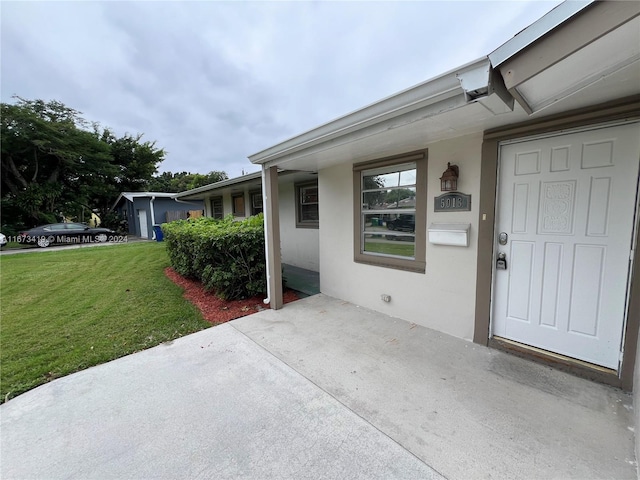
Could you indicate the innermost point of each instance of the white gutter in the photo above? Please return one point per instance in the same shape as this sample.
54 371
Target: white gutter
267 300
153 218
437 95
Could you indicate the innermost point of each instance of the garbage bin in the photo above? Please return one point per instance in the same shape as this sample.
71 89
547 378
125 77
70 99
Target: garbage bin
158 232
375 222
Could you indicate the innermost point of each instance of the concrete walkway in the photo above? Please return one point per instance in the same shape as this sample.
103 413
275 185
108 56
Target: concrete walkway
319 389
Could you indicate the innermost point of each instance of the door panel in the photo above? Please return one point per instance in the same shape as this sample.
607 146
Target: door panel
567 203
144 229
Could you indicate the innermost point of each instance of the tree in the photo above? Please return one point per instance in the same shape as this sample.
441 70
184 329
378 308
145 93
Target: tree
54 163
179 182
136 162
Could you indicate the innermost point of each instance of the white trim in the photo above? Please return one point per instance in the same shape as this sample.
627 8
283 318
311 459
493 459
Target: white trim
537 29
566 131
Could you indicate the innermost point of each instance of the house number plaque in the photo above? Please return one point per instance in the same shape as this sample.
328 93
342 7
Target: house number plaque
452 202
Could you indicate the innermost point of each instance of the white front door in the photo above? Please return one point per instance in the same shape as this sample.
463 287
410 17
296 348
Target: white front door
567 204
144 230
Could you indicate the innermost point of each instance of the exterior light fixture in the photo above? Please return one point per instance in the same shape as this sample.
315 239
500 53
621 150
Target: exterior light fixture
449 179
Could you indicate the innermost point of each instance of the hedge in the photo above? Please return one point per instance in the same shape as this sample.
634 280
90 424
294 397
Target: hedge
227 256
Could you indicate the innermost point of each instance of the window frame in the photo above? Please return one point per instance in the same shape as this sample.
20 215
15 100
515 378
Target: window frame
256 210
236 213
299 204
213 200
418 263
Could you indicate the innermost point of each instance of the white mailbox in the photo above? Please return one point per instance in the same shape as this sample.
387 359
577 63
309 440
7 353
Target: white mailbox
456 234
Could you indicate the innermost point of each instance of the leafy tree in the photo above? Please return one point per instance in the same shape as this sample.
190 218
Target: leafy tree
54 163
179 182
394 196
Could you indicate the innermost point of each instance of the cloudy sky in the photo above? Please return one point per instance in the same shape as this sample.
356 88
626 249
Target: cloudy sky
214 82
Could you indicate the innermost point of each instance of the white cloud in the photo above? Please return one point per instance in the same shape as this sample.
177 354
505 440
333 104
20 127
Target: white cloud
213 82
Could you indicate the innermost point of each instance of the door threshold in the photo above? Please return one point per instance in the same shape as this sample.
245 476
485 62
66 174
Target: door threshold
574 366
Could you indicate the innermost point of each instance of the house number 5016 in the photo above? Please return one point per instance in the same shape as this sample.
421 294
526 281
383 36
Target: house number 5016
452 202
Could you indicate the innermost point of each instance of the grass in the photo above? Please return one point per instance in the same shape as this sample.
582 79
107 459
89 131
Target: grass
400 248
64 311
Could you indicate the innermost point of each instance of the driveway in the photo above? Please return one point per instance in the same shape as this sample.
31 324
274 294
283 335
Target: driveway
319 389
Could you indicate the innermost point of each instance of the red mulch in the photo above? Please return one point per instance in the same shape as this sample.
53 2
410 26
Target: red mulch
214 309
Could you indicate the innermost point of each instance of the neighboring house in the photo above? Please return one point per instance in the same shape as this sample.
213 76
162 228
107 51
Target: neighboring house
298 209
143 210
540 258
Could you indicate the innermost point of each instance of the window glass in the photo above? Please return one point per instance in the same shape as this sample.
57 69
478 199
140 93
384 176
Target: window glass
388 213
256 203
216 207
307 205
74 226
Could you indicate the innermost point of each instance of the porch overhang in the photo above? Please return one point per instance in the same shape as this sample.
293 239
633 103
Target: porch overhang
580 53
399 116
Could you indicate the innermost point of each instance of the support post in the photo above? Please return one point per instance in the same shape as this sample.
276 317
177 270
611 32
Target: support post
272 235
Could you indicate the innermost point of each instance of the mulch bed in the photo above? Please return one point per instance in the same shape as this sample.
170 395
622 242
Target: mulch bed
216 310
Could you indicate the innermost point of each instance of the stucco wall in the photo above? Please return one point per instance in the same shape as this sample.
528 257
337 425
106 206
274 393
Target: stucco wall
299 246
443 298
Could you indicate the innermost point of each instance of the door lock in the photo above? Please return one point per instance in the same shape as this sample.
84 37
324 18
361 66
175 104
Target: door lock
502 238
501 261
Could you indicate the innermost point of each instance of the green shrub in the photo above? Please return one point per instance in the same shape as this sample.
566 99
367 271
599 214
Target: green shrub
225 255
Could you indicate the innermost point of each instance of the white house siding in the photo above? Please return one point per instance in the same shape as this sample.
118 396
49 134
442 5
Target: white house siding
443 298
299 246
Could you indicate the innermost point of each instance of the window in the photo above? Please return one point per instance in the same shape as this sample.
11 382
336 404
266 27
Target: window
390 198
307 205
217 210
238 205
256 203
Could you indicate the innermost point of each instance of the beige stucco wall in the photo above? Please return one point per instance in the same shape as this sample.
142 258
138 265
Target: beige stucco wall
299 246
443 298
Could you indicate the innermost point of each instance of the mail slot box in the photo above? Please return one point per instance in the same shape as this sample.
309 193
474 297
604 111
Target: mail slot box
456 234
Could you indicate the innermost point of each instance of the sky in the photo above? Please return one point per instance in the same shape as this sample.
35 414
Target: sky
214 82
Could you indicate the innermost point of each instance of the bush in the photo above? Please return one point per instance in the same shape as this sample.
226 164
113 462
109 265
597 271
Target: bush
226 256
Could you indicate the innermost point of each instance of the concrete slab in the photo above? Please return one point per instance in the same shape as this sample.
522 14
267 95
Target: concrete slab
302 280
465 410
210 405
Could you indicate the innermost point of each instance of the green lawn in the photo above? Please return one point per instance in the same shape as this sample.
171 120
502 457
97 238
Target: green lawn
64 311
403 249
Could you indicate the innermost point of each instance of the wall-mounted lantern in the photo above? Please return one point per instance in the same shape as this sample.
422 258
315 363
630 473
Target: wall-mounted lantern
449 179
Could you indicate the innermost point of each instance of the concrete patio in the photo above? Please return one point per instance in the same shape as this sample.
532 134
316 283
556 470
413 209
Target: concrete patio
319 389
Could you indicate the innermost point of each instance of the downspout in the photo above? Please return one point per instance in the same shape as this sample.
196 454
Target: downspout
153 218
265 203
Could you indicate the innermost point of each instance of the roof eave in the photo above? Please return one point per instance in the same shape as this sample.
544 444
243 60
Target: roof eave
218 185
537 30
465 82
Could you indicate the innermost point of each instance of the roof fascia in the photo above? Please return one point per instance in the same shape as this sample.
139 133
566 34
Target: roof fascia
591 24
537 29
446 89
220 184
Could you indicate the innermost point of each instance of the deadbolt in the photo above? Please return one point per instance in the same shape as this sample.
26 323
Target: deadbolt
502 238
